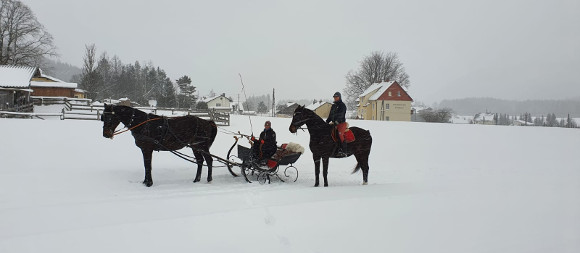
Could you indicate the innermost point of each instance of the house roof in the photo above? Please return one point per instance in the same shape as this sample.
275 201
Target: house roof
316 105
380 92
60 84
394 91
42 74
486 116
209 99
289 109
371 88
16 76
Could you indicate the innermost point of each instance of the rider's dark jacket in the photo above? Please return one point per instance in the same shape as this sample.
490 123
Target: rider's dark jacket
337 112
269 146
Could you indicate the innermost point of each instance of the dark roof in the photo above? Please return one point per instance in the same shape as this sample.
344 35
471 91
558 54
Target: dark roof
289 109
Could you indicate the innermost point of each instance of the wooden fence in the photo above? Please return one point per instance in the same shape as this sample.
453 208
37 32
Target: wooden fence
81 109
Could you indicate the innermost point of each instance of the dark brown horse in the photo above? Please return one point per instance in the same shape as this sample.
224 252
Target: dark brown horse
153 132
324 147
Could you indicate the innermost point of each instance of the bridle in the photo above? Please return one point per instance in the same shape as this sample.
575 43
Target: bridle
126 129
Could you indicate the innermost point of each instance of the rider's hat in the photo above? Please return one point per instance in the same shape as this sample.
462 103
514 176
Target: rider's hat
337 94
268 123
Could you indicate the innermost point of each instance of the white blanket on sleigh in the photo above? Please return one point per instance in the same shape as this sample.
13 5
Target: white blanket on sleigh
295 148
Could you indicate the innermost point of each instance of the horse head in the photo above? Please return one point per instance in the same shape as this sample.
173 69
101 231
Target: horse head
110 121
299 118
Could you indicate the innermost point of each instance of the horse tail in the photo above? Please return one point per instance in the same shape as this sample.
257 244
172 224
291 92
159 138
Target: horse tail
356 168
214 131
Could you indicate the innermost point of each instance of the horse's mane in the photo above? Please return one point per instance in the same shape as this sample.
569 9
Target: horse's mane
315 116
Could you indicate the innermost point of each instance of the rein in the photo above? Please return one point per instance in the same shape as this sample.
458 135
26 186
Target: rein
133 127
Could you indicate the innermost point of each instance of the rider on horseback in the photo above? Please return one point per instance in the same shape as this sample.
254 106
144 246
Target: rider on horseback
337 117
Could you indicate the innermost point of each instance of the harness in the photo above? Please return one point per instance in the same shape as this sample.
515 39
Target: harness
133 127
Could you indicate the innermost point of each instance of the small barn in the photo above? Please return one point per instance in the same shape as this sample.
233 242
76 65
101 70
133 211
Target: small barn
15 87
48 86
321 108
484 119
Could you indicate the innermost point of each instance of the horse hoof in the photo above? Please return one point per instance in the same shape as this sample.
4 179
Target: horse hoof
365 183
315 185
325 185
196 180
148 183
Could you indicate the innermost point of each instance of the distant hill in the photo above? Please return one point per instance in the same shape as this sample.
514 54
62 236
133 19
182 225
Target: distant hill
61 70
471 106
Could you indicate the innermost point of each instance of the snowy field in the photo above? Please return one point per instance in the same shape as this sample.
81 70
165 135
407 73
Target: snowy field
432 188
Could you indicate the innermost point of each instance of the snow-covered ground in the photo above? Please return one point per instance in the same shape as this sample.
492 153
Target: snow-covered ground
432 188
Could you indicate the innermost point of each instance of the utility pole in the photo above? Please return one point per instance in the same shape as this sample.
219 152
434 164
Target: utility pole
273 102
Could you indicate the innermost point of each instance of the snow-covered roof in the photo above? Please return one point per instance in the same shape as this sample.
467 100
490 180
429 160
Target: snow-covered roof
315 105
486 116
16 76
379 92
56 84
379 87
208 99
50 77
375 86
290 104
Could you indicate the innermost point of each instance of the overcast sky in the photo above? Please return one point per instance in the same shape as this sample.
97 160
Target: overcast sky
451 49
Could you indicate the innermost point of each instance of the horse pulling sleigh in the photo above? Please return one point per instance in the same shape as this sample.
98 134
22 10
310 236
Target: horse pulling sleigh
158 133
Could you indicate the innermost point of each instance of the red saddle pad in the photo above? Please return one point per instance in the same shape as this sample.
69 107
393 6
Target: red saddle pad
349 136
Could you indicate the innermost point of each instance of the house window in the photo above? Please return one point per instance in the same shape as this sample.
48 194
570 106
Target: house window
399 93
387 118
389 93
218 105
387 106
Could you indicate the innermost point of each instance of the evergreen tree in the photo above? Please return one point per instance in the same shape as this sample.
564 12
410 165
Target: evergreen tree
262 108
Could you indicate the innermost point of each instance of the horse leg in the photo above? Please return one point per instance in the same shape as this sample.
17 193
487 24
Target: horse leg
199 161
208 161
147 157
325 170
365 168
316 169
363 162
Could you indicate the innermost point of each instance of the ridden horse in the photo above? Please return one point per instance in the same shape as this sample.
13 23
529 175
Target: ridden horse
323 145
153 132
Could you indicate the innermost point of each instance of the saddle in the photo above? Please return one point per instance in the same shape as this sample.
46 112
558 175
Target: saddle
347 134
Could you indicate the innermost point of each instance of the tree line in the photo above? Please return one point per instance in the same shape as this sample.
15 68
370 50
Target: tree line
108 77
470 106
526 119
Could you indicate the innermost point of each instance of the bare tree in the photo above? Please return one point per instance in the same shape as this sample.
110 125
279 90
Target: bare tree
375 68
23 40
90 77
442 115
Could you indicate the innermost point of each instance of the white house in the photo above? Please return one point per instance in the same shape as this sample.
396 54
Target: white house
218 103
